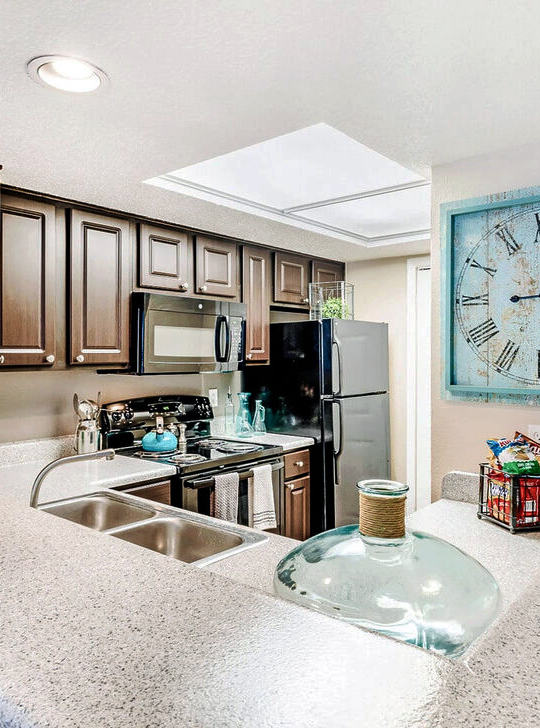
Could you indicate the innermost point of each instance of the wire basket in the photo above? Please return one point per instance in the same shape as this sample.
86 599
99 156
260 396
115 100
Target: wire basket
510 501
331 300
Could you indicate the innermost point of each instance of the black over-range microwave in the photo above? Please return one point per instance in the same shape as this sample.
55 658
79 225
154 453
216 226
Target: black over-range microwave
175 335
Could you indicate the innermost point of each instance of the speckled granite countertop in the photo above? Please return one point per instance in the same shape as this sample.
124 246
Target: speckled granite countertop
99 632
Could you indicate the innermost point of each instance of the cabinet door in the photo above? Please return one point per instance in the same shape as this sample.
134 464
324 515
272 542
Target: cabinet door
256 296
217 267
165 259
327 271
27 283
296 509
100 285
291 278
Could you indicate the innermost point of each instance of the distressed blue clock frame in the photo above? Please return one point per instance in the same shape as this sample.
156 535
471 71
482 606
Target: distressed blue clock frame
469 219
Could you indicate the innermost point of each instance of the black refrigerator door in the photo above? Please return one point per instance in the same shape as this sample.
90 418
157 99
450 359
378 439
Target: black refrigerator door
355 356
290 386
357 447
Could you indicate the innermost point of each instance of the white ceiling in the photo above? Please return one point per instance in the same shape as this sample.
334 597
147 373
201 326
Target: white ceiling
421 82
314 178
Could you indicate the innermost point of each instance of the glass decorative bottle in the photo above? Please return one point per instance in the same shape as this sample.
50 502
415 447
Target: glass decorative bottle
258 419
408 585
243 426
229 414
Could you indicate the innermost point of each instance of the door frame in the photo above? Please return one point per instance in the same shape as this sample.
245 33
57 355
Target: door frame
413 266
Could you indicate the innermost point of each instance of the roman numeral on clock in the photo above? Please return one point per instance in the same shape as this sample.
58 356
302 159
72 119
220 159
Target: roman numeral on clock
482 300
512 246
483 332
507 356
490 271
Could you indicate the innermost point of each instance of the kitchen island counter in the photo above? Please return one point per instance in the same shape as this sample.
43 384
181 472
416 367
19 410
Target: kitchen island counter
97 631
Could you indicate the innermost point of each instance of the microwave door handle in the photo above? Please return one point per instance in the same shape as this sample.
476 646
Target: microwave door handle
220 320
227 339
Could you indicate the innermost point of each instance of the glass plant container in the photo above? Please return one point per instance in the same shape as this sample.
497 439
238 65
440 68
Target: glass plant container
405 584
331 300
243 426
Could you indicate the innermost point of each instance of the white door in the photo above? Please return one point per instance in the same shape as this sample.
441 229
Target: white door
418 382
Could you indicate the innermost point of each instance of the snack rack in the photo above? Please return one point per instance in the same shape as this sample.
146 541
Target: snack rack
510 501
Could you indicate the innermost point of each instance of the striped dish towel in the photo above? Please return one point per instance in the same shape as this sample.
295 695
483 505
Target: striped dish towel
262 512
226 497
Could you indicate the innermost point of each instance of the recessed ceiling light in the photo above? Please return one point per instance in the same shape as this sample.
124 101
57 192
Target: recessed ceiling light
66 74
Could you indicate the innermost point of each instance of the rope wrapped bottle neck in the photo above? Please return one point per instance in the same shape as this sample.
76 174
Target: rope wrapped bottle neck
382 508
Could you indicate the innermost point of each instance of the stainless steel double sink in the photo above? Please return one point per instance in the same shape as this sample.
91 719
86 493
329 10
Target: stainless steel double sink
181 535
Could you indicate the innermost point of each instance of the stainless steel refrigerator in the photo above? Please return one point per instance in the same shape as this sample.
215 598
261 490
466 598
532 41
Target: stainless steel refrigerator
329 380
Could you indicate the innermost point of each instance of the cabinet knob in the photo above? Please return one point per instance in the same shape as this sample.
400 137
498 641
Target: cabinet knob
249 356
79 358
2 358
305 300
203 289
299 463
49 358
290 486
183 287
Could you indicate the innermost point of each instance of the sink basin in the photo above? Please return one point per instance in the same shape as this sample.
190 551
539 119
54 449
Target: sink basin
182 535
100 512
182 539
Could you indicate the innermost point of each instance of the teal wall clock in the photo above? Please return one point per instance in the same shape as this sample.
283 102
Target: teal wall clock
491 289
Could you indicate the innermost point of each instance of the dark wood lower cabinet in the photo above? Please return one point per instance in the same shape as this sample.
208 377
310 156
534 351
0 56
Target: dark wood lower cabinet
256 296
100 287
157 492
296 508
27 283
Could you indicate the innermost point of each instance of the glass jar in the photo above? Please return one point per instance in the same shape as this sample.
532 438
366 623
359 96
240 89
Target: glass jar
258 419
243 427
408 585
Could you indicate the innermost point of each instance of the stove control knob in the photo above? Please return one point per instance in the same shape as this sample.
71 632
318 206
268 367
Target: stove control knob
128 413
116 416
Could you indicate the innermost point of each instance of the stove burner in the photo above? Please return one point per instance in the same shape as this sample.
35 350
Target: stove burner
187 459
228 446
162 454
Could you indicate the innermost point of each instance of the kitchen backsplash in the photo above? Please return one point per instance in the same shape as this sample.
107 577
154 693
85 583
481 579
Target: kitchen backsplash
37 405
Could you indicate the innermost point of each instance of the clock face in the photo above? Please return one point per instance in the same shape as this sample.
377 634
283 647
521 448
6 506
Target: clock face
496 298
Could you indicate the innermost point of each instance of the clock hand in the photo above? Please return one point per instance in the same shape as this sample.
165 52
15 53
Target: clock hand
515 299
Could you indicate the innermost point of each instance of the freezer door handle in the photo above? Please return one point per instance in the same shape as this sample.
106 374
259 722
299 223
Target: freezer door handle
337 344
339 449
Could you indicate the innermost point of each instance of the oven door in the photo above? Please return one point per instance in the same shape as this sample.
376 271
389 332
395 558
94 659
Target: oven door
197 490
176 336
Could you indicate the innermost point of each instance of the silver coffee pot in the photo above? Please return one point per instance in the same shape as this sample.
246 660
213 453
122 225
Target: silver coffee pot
87 432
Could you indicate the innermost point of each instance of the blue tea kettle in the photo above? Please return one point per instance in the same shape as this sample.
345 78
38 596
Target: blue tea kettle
159 439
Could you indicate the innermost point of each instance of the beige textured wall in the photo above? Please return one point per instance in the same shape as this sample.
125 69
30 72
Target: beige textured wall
459 429
381 295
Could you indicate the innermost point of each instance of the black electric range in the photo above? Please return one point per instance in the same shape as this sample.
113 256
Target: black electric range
124 424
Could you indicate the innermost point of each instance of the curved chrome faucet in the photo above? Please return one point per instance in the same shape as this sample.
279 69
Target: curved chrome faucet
108 454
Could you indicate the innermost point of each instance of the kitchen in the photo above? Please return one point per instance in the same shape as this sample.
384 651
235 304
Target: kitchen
139 592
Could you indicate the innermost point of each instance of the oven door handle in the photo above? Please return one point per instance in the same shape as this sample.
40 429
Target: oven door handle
242 475
220 321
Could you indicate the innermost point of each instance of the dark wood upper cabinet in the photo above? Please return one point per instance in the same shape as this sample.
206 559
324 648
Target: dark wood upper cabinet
296 509
100 286
256 295
216 267
165 259
291 278
27 283
327 271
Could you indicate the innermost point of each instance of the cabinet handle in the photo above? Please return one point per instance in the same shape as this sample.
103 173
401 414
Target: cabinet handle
49 358
290 486
305 300
183 287
202 289
2 358
299 463
79 358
